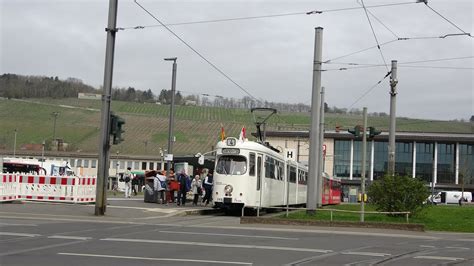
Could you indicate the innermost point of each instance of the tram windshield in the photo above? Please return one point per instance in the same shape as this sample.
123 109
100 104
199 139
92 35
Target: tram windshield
231 165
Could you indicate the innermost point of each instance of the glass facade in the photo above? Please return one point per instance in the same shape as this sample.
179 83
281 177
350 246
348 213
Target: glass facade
357 166
466 164
404 153
424 161
403 158
380 159
342 158
446 164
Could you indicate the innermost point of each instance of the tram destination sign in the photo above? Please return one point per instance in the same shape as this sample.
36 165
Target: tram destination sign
230 151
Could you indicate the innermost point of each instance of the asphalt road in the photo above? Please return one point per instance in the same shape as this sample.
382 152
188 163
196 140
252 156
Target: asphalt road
134 233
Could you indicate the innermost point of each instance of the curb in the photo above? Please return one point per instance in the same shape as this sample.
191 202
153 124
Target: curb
203 212
407 227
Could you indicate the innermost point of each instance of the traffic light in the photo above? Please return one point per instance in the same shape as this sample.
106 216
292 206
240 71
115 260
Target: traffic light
118 136
116 128
373 132
356 132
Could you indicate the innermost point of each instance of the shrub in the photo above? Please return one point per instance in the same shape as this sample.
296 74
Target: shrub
398 194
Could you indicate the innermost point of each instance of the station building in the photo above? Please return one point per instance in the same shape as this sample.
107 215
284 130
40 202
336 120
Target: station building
446 159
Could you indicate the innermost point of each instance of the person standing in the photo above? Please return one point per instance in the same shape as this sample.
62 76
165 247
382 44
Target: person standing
208 185
127 178
184 186
196 187
160 187
135 181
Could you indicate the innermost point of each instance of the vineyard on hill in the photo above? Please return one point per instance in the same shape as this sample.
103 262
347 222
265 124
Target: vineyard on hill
197 129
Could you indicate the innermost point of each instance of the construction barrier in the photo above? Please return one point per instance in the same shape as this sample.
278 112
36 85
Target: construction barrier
71 189
8 187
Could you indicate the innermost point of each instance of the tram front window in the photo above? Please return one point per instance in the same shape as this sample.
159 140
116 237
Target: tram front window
231 165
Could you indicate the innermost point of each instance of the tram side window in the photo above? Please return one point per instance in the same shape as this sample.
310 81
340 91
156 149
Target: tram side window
252 164
269 167
292 174
281 170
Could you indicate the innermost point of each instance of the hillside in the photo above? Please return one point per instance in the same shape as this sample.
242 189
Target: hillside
196 128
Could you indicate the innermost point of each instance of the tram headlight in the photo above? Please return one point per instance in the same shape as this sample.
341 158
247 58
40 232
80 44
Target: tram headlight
228 189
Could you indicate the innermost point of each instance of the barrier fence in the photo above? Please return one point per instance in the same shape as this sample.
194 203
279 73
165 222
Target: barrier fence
73 189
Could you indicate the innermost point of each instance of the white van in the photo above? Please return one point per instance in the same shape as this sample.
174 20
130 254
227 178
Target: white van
451 197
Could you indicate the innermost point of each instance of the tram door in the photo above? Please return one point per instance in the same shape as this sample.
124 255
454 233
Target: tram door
259 178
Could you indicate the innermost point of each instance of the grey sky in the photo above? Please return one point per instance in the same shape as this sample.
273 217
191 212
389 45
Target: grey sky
270 57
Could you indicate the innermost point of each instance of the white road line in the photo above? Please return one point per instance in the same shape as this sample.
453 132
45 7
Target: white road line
459 248
70 237
7 224
221 245
215 234
437 258
426 246
18 234
373 254
156 259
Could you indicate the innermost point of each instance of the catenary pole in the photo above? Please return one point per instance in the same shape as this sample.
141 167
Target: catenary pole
171 121
104 142
321 159
315 146
393 116
364 154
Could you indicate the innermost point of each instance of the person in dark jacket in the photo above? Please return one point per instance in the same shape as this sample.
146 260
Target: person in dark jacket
184 187
208 185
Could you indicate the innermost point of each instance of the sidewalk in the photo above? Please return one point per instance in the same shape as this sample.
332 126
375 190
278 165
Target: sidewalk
118 210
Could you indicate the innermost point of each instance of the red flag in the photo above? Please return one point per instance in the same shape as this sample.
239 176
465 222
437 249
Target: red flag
242 134
222 133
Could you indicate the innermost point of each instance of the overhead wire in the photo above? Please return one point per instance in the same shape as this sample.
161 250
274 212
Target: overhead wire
198 53
260 16
375 36
449 21
369 90
381 23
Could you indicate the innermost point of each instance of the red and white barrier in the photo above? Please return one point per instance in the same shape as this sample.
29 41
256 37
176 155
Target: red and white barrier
8 187
71 189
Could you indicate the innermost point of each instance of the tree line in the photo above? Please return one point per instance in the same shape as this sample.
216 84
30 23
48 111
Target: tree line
19 86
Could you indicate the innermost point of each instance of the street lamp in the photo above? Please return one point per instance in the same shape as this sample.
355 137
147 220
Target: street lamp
14 144
55 114
171 124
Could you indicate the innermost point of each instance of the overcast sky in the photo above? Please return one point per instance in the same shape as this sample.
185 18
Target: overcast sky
270 57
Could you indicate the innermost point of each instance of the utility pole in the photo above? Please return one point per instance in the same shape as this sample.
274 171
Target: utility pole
364 155
321 142
55 115
171 124
104 142
315 145
393 116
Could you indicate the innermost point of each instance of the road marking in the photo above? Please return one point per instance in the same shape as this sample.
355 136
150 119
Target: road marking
215 234
437 258
7 224
221 245
70 237
156 259
373 254
459 248
425 246
18 234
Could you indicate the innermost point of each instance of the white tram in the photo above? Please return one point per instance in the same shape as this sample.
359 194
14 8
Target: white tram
252 175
